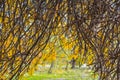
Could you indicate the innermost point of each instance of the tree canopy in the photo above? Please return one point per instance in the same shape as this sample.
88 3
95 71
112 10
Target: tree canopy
90 29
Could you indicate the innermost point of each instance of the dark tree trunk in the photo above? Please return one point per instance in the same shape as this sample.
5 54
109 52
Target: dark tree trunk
51 66
79 64
73 63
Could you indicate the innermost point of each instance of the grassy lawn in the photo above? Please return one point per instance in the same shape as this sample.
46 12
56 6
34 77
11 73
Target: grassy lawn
77 74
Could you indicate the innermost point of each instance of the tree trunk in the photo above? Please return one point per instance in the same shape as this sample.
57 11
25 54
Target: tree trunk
51 66
79 64
73 63
66 65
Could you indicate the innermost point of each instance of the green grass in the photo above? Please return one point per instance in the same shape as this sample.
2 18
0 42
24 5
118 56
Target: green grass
77 74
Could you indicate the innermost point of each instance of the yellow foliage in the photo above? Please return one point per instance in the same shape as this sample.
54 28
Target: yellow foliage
70 46
53 56
15 39
31 71
75 56
0 19
82 51
77 50
62 55
66 47
10 53
90 61
108 63
99 34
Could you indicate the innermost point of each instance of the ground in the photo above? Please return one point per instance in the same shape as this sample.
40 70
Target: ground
71 74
